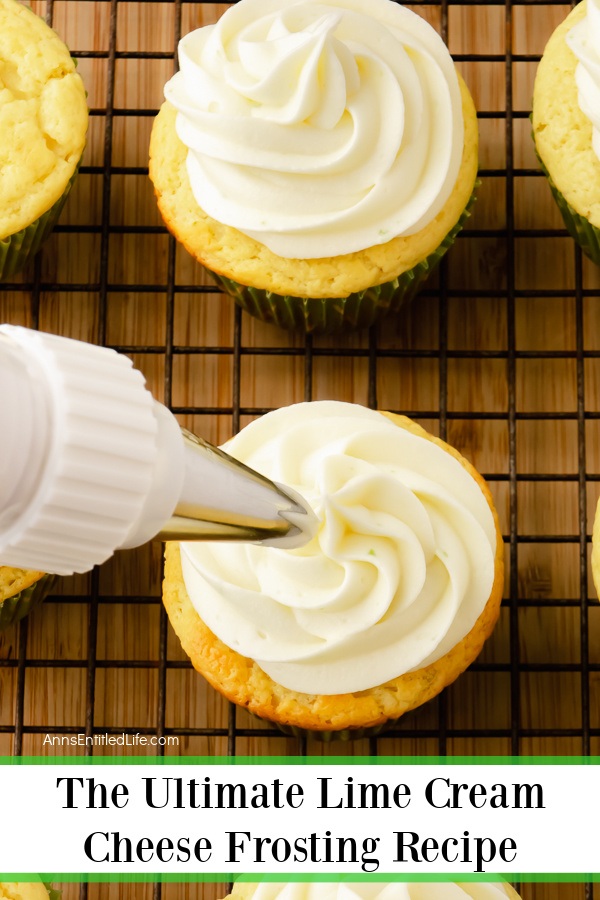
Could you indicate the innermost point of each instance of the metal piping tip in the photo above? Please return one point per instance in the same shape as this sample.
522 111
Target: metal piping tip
224 500
303 522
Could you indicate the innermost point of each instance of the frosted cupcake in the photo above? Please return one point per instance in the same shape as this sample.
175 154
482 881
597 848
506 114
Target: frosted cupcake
566 122
318 158
20 591
43 122
389 602
397 890
596 550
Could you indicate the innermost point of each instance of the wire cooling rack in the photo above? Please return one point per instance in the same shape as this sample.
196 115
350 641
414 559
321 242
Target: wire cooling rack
500 355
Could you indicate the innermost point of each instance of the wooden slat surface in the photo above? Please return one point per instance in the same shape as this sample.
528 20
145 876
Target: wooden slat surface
466 345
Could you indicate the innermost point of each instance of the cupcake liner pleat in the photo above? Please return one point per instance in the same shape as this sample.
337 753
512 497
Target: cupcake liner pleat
19 248
326 736
358 310
586 235
14 608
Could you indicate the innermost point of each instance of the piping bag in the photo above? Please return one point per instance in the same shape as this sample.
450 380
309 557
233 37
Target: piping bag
91 463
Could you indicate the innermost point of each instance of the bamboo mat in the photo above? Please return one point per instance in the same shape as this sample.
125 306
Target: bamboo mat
500 354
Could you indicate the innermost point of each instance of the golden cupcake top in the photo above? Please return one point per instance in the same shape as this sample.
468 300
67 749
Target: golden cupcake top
584 41
563 133
12 582
43 117
23 890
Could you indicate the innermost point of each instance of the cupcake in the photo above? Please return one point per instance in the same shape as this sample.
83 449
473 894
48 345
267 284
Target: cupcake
596 550
27 890
388 603
43 122
566 122
397 890
20 591
317 158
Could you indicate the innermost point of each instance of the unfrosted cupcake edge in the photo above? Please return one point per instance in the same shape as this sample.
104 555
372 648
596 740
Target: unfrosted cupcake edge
16 250
585 235
359 309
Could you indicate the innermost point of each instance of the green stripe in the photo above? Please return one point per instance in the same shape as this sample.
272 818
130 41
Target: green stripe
220 877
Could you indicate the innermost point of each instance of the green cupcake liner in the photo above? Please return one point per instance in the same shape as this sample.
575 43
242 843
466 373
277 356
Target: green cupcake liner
583 232
19 248
326 736
20 605
359 310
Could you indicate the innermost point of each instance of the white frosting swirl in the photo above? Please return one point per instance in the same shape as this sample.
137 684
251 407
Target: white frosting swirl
584 41
397 890
319 128
399 571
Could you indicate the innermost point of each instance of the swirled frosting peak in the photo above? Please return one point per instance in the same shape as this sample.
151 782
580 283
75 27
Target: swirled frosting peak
584 41
397 890
319 128
399 571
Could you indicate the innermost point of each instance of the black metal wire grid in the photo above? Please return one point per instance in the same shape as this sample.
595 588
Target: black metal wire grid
485 328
